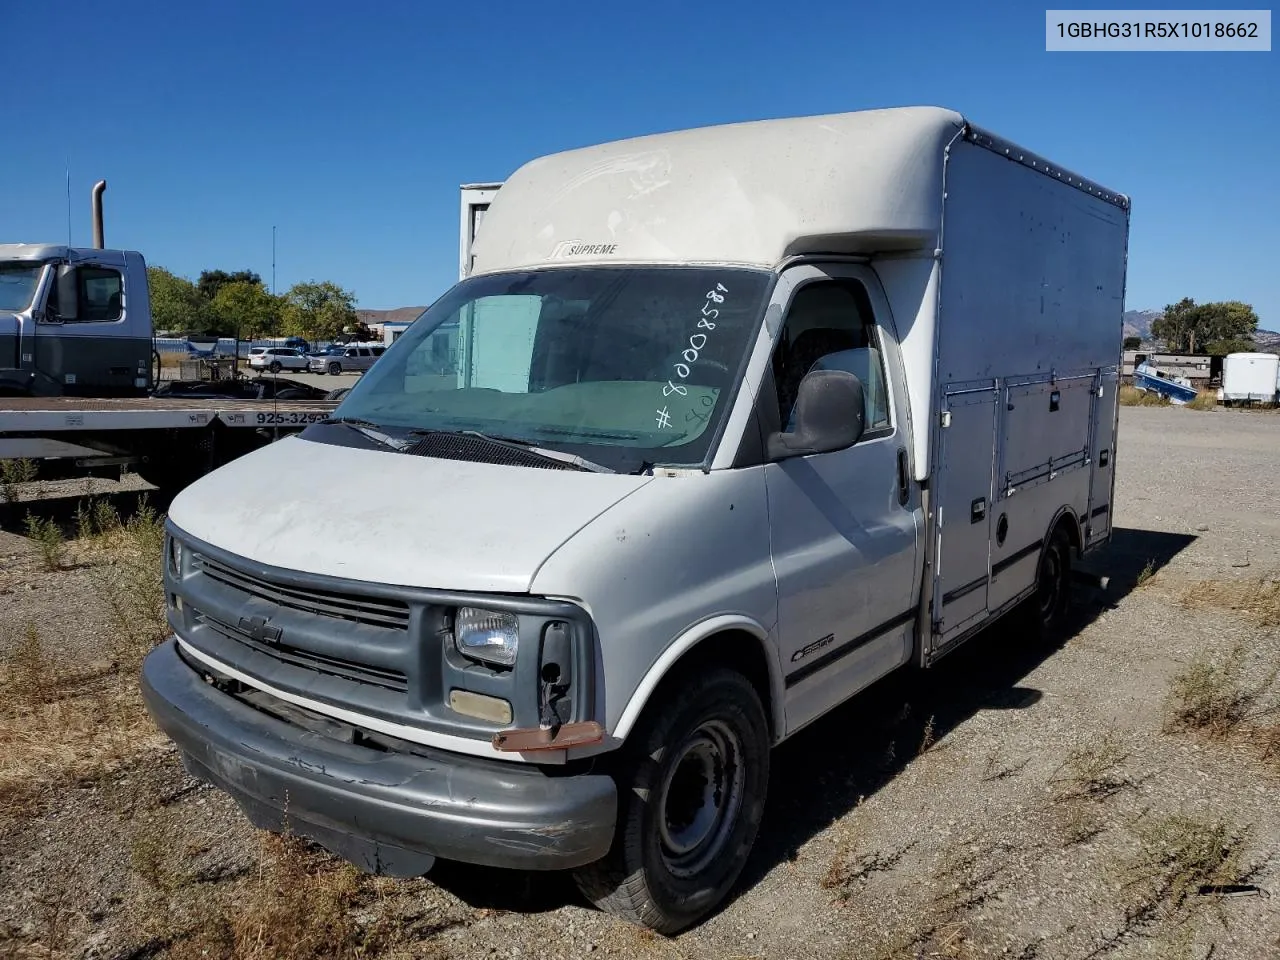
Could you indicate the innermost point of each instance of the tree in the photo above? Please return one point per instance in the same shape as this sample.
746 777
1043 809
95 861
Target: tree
1215 328
176 304
245 310
318 310
1132 343
211 281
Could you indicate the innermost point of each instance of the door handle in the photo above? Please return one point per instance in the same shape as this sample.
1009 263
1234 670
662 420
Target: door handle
904 479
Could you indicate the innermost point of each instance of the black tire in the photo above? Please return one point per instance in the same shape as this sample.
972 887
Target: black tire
670 866
275 366
1048 605
335 368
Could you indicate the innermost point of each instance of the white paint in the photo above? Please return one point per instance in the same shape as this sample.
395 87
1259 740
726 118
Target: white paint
1250 376
749 193
682 645
422 521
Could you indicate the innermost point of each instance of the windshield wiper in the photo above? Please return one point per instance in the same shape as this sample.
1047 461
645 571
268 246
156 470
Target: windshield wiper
368 429
511 443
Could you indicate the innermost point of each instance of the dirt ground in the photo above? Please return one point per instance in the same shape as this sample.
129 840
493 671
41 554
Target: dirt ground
1110 795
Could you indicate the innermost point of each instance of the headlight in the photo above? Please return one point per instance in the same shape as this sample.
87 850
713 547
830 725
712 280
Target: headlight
487 635
175 557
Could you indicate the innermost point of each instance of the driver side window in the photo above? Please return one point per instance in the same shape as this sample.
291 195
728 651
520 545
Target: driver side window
831 325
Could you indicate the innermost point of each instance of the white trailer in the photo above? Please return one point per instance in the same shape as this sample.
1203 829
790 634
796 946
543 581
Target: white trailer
1250 378
741 420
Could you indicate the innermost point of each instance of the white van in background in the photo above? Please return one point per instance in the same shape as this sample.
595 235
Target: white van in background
730 423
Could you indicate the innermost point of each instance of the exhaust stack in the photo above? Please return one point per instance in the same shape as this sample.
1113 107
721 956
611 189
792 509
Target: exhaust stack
98 187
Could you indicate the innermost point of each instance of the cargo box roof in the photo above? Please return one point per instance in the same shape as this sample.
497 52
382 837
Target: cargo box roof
749 193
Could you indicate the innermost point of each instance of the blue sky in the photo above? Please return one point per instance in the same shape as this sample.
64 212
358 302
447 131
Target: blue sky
350 126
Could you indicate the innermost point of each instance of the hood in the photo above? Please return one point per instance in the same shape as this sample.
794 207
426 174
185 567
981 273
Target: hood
384 517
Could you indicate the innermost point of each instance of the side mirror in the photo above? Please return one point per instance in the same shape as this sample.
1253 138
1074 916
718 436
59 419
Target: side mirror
68 295
830 415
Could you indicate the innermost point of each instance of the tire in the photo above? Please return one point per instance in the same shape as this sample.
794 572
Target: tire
1048 605
670 865
335 368
275 366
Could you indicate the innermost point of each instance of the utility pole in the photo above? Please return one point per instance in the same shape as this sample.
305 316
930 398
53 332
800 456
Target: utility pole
273 261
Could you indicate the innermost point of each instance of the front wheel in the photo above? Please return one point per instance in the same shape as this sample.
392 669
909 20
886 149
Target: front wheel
691 793
275 366
335 369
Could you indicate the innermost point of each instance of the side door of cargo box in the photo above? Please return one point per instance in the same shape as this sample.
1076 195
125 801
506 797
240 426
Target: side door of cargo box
967 440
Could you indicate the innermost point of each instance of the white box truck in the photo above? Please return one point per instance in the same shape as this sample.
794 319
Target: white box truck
1250 378
739 420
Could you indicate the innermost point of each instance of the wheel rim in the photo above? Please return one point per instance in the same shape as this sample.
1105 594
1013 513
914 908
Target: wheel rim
1050 587
701 797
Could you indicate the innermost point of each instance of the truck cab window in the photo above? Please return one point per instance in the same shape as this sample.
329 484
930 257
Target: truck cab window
831 325
100 294
99 291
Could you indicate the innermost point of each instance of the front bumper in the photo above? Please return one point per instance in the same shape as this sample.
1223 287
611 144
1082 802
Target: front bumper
387 812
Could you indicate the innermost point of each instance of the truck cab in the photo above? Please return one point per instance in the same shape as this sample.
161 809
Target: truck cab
74 322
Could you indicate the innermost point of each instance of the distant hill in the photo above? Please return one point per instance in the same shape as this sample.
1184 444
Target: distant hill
1268 341
1137 323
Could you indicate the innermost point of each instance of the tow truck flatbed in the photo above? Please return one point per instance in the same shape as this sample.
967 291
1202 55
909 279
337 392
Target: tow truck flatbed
48 414
169 441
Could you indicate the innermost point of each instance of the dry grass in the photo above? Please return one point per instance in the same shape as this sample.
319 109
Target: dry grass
1130 396
64 721
47 536
126 560
1181 866
1215 697
1092 773
295 904
1145 574
1205 400
1256 599
969 876
848 870
13 473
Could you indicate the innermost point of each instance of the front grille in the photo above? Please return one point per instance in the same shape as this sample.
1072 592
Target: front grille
334 666
370 611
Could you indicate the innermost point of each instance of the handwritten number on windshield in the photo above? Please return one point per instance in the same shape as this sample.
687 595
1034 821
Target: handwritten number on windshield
689 356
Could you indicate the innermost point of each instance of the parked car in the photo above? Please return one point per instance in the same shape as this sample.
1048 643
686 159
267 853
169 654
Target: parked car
352 357
276 359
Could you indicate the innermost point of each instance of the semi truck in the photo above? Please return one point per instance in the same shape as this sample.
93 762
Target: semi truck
743 419
78 391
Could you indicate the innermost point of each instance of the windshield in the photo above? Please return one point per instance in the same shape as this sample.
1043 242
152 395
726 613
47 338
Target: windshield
624 366
18 285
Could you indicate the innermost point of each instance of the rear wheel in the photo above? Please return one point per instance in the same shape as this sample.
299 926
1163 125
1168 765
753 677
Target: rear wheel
275 366
691 792
1048 606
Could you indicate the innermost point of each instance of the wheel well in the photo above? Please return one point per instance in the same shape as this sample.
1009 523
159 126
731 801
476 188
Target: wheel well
736 649
1067 519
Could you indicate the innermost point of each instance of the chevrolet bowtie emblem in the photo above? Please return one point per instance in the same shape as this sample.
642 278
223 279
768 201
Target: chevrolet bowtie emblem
260 629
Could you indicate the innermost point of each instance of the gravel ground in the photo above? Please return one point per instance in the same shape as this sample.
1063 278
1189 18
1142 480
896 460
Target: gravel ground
1016 802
